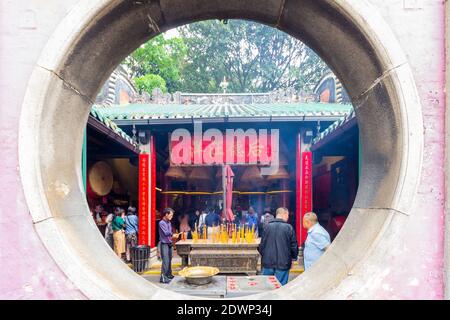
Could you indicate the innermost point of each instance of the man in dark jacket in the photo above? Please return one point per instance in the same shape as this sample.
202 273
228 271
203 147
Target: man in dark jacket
278 247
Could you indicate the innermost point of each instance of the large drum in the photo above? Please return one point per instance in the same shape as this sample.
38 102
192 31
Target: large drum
100 179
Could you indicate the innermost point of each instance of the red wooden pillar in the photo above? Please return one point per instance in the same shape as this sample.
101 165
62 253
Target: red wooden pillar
306 188
143 198
153 192
303 188
298 189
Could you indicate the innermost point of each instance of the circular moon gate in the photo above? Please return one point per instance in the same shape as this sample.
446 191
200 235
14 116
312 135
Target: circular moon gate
97 35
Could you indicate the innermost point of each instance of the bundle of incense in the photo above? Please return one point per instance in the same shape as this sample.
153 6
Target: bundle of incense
194 235
248 234
204 235
225 235
233 235
238 235
216 233
231 232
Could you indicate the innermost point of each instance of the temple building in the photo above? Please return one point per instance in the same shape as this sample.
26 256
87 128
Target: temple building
174 148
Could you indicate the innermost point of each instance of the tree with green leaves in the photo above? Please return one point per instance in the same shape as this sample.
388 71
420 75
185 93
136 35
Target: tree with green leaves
253 58
158 63
149 82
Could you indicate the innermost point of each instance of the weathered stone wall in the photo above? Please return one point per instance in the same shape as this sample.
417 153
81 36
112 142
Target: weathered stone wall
416 268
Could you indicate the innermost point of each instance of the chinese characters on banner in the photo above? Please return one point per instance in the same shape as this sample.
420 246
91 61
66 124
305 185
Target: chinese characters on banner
153 191
306 201
143 198
298 188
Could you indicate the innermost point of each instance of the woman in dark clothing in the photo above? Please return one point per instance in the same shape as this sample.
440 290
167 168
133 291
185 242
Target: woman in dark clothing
194 218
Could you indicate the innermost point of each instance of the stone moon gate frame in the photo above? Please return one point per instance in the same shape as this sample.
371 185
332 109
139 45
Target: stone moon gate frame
97 35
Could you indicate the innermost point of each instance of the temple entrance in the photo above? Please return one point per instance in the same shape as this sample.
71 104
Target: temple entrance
379 84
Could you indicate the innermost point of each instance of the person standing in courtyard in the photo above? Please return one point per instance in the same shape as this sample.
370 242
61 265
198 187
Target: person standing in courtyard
97 213
265 219
317 240
131 231
278 247
166 239
109 230
252 219
118 225
201 223
212 219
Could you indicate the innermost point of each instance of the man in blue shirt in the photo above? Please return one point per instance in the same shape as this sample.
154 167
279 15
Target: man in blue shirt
212 219
317 240
252 218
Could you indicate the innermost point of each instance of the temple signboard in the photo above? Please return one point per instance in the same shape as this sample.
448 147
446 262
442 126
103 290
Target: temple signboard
228 147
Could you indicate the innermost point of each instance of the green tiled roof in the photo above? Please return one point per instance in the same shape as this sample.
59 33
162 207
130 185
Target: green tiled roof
198 111
349 118
111 124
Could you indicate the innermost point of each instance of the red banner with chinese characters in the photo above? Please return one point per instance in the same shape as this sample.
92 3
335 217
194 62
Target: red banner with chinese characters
298 189
306 201
153 192
143 198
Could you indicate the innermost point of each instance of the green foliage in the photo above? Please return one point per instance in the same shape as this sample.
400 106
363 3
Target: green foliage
159 56
253 58
149 82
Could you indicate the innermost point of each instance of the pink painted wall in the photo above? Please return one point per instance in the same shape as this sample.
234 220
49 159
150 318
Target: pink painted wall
421 30
28 272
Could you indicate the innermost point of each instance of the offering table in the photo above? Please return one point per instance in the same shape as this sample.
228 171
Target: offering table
229 257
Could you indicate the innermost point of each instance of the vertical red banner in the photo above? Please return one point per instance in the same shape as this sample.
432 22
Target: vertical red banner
306 203
143 198
298 189
153 192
